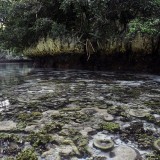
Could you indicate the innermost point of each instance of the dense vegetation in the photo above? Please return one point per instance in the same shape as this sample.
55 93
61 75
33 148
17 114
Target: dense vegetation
56 26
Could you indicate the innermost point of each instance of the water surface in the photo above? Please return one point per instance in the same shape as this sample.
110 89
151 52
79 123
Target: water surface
49 91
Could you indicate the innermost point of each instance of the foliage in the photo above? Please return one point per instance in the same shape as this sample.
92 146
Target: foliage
150 26
93 23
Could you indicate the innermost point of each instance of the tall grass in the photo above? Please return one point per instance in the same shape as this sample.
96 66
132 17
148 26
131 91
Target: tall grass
65 45
49 46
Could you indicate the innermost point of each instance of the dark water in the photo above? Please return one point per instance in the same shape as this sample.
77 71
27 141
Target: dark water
50 89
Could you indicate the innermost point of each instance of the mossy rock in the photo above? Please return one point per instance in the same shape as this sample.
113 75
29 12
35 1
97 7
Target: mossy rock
9 137
103 107
108 117
80 141
28 154
139 113
81 144
39 140
52 128
144 141
150 118
11 149
10 144
153 156
89 111
21 125
69 132
157 122
98 157
33 105
116 110
57 116
103 144
152 104
113 110
9 158
78 117
110 126
70 109
156 145
27 117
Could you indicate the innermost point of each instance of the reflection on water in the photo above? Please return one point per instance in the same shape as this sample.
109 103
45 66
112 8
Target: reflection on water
12 73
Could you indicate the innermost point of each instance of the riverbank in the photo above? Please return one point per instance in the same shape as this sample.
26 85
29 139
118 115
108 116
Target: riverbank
114 62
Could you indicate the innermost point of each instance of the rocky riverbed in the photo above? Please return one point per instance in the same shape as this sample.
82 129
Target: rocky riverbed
80 115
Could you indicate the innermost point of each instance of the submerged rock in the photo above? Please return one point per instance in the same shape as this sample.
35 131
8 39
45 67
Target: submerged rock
157 145
110 126
98 158
125 153
139 113
103 144
33 128
89 111
108 117
27 154
87 130
7 125
66 151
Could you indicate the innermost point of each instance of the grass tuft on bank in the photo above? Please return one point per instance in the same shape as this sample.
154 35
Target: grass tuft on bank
49 46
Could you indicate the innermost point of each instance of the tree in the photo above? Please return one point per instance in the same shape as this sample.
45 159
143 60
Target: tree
94 22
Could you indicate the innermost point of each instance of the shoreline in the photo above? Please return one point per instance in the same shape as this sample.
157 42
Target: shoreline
139 63
133 63
15 61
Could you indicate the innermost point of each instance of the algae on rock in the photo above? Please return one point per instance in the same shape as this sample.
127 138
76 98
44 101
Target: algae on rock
28 154
110 126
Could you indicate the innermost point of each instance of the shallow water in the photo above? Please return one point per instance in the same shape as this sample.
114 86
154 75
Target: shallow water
39 90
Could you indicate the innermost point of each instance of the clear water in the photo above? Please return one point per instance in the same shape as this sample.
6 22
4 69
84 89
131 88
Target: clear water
87 89
13 73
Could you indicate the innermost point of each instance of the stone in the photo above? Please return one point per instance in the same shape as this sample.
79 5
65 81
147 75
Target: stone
87 130
49 113
51 154
99 158
33 128
74 158
27 146
139 113
108 117
89 111
66 150
71 108
157 145
103 144
7 125
125 153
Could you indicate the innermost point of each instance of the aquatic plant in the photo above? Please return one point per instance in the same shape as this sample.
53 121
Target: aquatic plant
27 154
52 127
28 117
39 140
110 126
